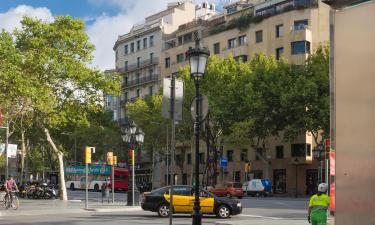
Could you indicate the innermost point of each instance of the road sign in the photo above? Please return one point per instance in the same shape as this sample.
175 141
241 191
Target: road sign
223 163
203 107
179 95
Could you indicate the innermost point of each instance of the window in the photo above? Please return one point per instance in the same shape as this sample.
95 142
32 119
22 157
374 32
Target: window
217 48
188 37
232 43
241 58
301 150
151 40
180 39
300 24
201 158
182 191
300 47
184 179
150 72
237 177
279 152
126 79
151 56
230 155
126 65
279 181
138 93
138 61
189 159
244 155
144 43
259 152
279 30
151 90
242 40
132 47
167 62
116 55
231 9
259 36
137 76
180 58
279 52
126 49
138 45
126 97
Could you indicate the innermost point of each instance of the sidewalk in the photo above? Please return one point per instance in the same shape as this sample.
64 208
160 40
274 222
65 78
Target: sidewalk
45 207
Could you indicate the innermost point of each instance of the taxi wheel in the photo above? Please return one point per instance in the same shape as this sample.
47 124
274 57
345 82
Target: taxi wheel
223 212
163 210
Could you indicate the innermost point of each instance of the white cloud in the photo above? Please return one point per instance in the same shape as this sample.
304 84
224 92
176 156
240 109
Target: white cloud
103 30
11 19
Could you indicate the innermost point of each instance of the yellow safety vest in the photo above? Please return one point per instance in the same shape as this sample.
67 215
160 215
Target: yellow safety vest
319 202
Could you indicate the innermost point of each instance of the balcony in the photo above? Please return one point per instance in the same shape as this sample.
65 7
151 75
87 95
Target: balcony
141 80
300 33
141 64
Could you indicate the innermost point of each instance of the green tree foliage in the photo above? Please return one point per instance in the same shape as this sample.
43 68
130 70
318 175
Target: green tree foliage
307 100
61 89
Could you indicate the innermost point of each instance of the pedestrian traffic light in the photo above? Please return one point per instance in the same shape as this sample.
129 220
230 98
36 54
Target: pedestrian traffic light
247 167
87 155
110 158
114 160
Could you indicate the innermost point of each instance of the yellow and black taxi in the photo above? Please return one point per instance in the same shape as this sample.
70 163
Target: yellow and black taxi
183 202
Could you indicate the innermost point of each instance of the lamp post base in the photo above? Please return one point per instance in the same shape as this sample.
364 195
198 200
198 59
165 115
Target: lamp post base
197 218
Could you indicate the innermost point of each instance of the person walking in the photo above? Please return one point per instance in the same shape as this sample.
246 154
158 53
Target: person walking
318 206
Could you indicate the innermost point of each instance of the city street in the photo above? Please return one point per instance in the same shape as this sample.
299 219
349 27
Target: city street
259 211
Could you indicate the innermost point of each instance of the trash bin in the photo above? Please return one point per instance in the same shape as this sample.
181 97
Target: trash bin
130 197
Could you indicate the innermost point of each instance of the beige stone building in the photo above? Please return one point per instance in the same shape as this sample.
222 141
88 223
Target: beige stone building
289 28
138 59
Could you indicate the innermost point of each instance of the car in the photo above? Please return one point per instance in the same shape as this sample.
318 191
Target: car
257 187
229 189
183 202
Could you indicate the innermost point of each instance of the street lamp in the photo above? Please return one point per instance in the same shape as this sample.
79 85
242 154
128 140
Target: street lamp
198 59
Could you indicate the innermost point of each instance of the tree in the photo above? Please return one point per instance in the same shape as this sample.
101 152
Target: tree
307 100
55 59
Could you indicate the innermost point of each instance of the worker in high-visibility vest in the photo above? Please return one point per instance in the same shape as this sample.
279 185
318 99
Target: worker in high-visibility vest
318 206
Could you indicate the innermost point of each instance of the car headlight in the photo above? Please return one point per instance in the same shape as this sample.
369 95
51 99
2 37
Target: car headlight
239 204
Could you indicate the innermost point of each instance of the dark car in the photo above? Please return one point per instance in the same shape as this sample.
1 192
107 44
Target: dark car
183 202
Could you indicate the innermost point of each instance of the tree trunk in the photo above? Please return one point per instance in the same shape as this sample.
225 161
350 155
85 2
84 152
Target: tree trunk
60 155
23 154
264 160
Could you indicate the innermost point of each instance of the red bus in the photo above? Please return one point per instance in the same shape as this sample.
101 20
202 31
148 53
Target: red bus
121 179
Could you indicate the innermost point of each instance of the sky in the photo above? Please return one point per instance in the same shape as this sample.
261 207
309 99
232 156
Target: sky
105 19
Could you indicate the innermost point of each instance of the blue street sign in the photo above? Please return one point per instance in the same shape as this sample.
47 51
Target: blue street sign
223 163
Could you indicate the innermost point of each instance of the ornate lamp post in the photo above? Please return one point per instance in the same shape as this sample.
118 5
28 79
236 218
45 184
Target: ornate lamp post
198 59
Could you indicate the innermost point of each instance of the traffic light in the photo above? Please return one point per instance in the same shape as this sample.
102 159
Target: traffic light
114 160
87 155
247 167
131 156
327 147
110 158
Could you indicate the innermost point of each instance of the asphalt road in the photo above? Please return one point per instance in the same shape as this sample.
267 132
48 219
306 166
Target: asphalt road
257 211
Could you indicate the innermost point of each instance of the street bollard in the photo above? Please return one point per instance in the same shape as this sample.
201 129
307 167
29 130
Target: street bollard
105 192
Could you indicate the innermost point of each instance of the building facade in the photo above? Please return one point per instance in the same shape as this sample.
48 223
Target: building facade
138 60
288 28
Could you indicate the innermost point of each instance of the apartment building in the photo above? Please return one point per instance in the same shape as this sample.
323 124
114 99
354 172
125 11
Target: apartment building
288 28
138 57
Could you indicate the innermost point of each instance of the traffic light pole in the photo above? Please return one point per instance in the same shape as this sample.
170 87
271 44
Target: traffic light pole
133 174
113 184
87 186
